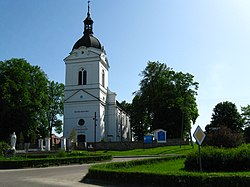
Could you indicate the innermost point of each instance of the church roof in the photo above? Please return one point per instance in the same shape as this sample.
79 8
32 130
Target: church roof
88 40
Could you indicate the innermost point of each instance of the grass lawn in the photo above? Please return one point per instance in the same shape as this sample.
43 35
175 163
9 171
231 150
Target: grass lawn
160 167
160 151
174 166
170 167
166 170
184 149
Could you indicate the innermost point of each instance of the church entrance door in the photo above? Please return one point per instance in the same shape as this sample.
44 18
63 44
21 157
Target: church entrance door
81 139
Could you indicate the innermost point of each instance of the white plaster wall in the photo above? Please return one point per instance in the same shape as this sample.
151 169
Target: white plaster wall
82 101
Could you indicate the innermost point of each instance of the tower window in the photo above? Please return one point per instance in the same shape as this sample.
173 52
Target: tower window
82 77
88 27
103 78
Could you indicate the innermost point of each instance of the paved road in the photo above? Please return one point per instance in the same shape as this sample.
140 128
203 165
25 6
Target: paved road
50 177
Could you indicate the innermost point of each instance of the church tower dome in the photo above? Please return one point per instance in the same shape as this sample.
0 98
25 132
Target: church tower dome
88 40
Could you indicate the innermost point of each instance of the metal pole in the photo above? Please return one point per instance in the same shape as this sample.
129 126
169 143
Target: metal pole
199 149
95 131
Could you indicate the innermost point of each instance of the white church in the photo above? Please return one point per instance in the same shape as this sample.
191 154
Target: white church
90 108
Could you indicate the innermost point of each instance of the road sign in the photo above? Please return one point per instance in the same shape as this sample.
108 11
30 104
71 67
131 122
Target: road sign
199 135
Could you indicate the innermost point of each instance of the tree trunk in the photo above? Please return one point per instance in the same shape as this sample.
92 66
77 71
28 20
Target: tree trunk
190 137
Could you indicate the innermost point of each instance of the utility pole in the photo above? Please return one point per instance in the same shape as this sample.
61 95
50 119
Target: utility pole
95 130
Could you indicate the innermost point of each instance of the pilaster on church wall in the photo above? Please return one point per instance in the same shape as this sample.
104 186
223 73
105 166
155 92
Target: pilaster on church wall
111 97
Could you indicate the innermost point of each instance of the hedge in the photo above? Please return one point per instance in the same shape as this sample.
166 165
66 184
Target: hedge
141 179
107 173
44 162
220 159
3 147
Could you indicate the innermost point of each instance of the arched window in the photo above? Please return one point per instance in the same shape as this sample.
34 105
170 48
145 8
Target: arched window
82 77
103 78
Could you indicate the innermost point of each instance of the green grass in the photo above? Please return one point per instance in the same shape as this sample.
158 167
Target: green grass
161 172
169 167
159 167
185 149
58 154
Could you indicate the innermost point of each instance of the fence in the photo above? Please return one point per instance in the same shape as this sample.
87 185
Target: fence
134 145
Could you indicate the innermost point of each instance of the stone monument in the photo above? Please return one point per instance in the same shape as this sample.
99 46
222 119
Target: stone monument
13 141
63 143
12 151
47 144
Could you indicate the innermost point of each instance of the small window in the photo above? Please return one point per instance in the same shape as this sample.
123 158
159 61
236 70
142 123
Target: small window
103 78
82 77
81 122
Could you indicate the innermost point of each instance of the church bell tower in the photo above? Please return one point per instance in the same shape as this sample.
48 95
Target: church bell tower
86 88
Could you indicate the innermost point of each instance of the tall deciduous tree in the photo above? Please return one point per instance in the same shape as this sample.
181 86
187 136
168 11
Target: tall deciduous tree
225 128
168 100
23 92
137 114
246 115
53 108
226 114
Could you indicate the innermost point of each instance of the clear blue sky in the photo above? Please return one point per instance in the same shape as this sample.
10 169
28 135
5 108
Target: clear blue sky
209 39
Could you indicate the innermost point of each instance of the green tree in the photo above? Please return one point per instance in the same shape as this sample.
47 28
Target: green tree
53 109
247 134
224 137
23 89
226 114
167 99
246 117
72 135
137 121
225 128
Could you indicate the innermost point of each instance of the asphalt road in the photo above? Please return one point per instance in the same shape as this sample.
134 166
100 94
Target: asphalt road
50 177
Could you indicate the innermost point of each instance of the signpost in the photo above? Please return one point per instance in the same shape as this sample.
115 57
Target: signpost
199 136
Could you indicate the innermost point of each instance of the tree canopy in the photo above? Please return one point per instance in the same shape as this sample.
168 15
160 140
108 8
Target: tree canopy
53 108
166 100
23 93
225 128
26 95
226 114
246 115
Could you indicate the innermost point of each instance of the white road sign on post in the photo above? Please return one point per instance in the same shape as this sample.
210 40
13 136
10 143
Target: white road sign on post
199 135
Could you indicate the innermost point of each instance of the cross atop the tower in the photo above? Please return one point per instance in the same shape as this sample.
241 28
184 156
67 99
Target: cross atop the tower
88 8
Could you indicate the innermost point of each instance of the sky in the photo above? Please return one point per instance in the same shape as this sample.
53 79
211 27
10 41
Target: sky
209 39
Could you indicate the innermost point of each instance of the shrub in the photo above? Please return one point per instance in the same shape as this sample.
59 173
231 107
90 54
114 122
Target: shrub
247 134
44 162
220 159
61 153
224 137
3 147
114 174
